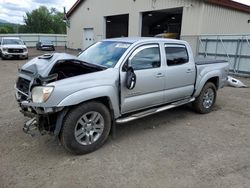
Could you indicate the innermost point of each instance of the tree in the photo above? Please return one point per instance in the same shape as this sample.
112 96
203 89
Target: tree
3 30
7 28
42 20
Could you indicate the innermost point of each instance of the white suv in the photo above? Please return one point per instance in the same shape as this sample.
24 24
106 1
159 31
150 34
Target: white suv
11 47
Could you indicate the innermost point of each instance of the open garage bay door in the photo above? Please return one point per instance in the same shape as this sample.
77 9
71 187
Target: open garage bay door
162 23
117 26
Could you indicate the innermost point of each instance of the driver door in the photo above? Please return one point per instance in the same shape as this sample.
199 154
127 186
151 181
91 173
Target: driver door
150 79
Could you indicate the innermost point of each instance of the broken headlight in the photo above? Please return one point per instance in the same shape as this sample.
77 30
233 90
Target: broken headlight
41 94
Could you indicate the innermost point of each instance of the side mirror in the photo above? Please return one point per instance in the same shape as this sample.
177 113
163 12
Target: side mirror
130 78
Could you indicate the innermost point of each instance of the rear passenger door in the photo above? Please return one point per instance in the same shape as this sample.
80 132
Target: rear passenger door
180 73
150 79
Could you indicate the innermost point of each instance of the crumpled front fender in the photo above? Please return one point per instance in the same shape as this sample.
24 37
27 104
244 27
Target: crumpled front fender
91 94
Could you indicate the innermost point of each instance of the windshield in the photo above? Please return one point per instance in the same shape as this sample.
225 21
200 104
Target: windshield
46 42
12 42
105 53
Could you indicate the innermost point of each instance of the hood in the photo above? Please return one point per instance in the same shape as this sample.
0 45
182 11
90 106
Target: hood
43 64
16 46
66 87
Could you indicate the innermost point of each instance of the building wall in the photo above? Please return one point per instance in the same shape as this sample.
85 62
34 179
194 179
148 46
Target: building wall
220 20
91 14
198 18
217 20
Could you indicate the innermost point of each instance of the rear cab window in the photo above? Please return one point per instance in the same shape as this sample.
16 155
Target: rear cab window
176 54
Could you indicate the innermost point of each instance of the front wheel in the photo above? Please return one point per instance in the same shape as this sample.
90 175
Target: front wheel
86 128
205 101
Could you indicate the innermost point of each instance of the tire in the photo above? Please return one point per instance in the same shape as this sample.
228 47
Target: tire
205 101
75 133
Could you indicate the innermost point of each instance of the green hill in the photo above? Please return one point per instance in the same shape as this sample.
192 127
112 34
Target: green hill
7 27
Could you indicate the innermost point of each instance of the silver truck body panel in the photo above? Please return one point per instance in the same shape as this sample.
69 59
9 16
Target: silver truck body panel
154 87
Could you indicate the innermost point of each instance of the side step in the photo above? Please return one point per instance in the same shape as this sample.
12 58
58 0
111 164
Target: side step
153 111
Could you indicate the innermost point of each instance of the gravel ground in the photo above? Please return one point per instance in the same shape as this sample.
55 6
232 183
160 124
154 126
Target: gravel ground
176 148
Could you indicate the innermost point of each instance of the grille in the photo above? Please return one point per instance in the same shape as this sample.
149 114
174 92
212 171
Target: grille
15 50
23 85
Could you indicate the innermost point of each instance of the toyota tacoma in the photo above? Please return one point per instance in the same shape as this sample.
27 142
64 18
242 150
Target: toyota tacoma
81 99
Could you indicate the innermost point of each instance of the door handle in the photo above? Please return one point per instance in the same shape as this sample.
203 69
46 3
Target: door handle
159 75
189 71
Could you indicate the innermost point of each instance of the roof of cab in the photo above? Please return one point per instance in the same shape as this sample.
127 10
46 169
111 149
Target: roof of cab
142 39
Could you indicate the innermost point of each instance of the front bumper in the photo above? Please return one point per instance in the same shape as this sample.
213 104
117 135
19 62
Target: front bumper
43 119
47 47
8 55
31 127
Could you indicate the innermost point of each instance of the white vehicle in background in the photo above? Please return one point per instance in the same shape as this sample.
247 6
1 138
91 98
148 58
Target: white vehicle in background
12 47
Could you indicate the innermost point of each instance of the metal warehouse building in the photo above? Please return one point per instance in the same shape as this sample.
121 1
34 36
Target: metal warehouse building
93 20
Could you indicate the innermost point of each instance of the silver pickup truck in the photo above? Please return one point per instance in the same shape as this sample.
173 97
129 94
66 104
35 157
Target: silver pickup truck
81 99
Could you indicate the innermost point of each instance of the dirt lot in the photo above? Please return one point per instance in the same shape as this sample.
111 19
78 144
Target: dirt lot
176 148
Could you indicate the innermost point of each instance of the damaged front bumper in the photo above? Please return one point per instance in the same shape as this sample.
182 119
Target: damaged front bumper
43 119
31 127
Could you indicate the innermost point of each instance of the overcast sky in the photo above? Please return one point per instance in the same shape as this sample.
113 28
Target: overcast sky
14 10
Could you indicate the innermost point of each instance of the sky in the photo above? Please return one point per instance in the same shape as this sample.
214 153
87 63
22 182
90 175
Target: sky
14 10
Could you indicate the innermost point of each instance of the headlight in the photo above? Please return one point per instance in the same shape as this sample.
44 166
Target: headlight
5 49
41 94
25 49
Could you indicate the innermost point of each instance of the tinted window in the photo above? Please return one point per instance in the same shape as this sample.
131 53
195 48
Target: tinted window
105 53
146 58
176 55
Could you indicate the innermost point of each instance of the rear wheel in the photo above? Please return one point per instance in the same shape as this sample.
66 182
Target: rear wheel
205 101
86 128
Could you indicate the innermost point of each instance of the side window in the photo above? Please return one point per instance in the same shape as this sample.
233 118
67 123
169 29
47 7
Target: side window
146 57
176 55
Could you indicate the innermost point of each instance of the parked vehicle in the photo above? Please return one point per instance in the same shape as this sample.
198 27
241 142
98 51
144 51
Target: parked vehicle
45 45
114 81
11 47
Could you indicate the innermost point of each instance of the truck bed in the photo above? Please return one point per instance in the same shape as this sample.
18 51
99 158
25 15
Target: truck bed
205 61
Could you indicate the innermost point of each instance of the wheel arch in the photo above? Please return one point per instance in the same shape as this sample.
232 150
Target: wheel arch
215 81
213 78
104 100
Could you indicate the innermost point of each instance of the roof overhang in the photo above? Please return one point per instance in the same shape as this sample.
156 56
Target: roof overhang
74 7
231 4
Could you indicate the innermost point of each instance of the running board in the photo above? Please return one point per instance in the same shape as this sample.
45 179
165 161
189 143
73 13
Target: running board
153 111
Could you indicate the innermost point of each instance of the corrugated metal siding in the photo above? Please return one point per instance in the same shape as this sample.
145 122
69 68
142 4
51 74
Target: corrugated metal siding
220 20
